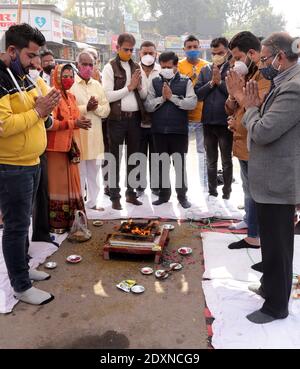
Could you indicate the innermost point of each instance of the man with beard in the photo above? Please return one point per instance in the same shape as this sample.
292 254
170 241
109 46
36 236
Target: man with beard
22 141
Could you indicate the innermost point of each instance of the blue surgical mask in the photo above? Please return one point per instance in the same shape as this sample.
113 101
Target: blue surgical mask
270 72
16 67
192 54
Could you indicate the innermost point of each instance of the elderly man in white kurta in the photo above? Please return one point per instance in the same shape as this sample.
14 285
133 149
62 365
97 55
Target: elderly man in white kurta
93 104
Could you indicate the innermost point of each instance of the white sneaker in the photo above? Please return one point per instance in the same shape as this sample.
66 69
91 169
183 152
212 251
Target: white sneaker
238 226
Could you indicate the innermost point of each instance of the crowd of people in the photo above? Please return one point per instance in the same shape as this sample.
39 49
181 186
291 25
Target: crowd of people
59 124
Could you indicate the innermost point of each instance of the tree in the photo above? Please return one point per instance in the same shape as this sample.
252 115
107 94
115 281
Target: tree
265 22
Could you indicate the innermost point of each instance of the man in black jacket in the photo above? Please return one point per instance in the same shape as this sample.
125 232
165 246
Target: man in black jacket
170 98
211 89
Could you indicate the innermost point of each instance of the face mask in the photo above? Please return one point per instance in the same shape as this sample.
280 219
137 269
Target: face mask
86 72
34 74
124 56
192 54
148 60
49 68
167 73
270 72
67 83
241 68
16 67
218 59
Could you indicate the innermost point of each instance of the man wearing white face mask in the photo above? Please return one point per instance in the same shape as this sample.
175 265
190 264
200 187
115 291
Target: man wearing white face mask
245 48
211 89
170 98
149 70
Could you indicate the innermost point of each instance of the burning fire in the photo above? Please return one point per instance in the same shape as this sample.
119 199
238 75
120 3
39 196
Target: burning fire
136 230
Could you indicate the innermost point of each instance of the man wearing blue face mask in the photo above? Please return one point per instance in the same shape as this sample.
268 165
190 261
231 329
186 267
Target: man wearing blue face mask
274 176
191 67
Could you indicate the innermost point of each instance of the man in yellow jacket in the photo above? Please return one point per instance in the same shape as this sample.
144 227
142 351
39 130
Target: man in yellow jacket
22 140
191 67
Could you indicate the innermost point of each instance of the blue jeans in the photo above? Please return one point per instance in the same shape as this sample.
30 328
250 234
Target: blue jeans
18 186
197 130
250 205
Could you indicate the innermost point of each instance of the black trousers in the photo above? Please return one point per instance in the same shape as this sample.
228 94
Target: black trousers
276 224
146 148
127 131
216 137
40 216
106 149
172 144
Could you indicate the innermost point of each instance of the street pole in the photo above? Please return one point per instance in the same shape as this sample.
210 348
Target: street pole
20 6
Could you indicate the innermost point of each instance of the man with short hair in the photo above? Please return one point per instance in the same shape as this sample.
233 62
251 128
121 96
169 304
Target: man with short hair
92 104
245 48
211 89
124 89
23 139
274 176
191 67
170 98
150 70
48 64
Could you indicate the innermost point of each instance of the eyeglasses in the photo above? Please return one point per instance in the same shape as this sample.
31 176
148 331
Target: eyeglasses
127 49
264 59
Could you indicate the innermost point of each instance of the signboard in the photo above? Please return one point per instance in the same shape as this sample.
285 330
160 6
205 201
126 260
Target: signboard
8 18
205 44
79 33
57 34
49 23
114 42
91 35
67 28
173 42
132 27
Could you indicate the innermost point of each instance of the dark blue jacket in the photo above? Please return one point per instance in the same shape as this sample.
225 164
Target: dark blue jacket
214 98
169 118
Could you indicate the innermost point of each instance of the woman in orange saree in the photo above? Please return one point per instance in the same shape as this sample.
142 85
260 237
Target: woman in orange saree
63 154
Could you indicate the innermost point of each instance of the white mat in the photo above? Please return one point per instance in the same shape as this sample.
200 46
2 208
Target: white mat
39 251
230 301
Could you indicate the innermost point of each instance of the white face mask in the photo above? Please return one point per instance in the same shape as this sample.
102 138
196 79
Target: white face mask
241 68
148 60
34 74
167 73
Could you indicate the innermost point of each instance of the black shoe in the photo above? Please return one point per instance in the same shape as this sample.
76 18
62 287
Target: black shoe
160 202
185 203
116 204
133 200
155 192
107 191
226 197
242 245
258 267
140 193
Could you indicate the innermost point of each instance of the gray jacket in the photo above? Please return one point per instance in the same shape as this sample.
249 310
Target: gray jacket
274 138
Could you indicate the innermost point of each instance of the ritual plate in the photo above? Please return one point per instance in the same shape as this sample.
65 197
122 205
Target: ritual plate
51 265
161 274
147 271
138 289
185 251
169 227
98 223
74 259
176 266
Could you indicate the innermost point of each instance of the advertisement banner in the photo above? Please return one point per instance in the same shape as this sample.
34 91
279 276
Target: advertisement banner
173 42
91 35
79 33
205 44
114 42
57 35
67 28
7 18
132 27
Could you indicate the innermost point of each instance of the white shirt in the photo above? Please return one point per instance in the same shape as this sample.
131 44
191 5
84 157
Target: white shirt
153 74
46 78
128 99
